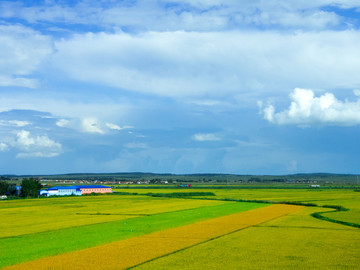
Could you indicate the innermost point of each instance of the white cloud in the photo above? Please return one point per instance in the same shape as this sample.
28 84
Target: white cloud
12 80
16 123
36 154
21 52
91 125
113 126
298 20
191 64
201 137
19 123
182 15
35 146
3 147
117 127
306 109
62 122
357 92
24 139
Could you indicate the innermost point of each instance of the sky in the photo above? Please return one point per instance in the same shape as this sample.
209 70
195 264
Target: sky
191 86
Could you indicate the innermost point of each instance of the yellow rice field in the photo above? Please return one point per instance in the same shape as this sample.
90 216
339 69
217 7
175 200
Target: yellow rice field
294 241
138 250
38 215
349 216
344 197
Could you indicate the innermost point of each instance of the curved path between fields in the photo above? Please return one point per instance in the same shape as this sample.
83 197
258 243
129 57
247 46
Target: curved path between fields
138 250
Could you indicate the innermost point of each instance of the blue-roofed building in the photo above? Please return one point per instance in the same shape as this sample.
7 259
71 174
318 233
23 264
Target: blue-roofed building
61 191
75 190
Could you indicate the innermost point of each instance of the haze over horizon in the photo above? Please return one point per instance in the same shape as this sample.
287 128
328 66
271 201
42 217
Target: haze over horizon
167 86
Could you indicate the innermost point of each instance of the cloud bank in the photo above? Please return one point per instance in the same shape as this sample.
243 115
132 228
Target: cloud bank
306 109
192 64
173 15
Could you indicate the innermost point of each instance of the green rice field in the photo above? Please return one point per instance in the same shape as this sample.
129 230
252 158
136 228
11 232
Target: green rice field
50 226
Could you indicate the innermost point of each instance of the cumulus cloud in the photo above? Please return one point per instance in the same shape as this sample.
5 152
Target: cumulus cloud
21 52
307 109
91 125
201 137
85 124
35 146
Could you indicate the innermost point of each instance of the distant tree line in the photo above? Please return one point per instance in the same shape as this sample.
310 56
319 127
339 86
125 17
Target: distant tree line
30 188
7 188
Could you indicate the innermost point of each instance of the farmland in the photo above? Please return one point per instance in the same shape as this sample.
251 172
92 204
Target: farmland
74 227
344 197
160 243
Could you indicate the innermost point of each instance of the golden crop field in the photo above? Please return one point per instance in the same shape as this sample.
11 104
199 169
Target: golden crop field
134 251
294 241
344 197
38 215
182 233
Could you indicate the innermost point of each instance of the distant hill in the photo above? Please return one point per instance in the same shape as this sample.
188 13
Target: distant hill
200 177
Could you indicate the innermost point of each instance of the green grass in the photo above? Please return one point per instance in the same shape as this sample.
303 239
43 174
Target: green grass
164 213
288 244
39 215
23 248
346 198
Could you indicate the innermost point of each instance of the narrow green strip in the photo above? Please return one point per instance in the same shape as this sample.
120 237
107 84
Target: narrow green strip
14 250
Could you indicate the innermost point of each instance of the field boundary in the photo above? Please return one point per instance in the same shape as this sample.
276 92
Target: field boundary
317 215
208 240
131 252
71 239
132 216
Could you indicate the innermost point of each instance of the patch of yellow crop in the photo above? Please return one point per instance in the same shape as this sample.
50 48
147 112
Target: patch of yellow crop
134 251
284 243
38 215
344 197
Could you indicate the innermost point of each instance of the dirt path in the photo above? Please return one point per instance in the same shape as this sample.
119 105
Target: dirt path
134 251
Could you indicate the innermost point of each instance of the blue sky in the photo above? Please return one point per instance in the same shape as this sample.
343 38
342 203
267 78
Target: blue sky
245 86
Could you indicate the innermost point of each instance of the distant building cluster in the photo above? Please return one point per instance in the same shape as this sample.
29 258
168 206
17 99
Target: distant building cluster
120 182
75 190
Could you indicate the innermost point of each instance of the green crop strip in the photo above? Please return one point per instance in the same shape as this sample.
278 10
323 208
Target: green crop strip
23 248
317 215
